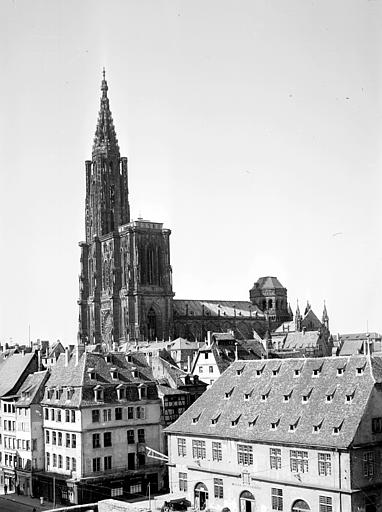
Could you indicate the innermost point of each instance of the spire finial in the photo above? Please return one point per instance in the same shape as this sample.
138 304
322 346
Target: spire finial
104 86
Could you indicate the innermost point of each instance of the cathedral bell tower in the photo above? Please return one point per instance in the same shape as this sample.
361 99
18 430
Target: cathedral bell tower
125 278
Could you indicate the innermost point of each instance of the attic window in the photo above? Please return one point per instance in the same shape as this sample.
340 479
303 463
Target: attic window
69 393
58 393
121 393
341 371
49 393
142 390
293 426
239 371
330 396
275 372
248 395
92 373
306 396
287 396
253 422
360 370
316 372
337 428
196 419
108 358
215 420
264 396
229 393
275 424
114 373
317 427
129 358
259 371
350 396
297 372
98 394
235 422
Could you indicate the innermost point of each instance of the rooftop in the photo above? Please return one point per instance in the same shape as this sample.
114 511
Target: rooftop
250 396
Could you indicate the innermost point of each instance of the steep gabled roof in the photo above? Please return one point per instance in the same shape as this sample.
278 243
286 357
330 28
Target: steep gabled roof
32 389
269 282
11 370
227 397
222 308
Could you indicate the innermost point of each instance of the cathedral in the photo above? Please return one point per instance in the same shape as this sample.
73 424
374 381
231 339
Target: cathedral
125 280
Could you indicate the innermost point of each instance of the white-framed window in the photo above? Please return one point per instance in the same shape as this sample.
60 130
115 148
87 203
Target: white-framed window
244 454
324 464
277 499
198 449
299 462
275 458
183 482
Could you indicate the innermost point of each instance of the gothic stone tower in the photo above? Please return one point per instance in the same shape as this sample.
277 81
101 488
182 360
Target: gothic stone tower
125 279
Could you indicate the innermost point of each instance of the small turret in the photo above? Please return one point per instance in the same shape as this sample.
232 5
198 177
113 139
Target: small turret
325 317
298 319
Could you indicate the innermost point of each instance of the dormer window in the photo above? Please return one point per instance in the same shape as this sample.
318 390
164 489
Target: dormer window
49 393
114 373
275 424
98 394
316 372
287 396
330 395
215 420
229 393
297 372
236 421
248 395
142 391
135 372
275 371
253 422
349 395
239 371
196 418
337 428
121 392
108 358
264 397
341 371
57 393
259 372
306 396
69 393
317 427
92 373
360 370
129 358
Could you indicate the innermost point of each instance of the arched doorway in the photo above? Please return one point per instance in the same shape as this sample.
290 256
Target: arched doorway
300 506
247 502
151 324
200 496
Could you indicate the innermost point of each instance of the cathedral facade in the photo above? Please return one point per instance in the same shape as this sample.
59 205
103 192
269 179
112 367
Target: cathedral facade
126 276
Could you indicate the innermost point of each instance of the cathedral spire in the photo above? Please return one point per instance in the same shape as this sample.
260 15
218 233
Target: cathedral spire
105 140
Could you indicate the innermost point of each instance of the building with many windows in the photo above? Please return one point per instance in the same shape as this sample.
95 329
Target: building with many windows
99 414
284 435
14 369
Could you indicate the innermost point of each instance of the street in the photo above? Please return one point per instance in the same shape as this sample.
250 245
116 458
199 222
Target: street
9 504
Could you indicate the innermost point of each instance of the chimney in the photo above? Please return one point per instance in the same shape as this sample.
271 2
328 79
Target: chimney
209 338
236 352
79 351
66 356
189 364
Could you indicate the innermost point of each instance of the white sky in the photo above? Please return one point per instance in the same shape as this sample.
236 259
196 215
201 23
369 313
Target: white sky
252 128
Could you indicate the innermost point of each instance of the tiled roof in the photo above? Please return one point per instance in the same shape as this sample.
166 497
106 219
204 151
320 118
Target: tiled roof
33 388
227 308
351 346
181 344
269 282
11 369
96 369
167 390
296 340
258 377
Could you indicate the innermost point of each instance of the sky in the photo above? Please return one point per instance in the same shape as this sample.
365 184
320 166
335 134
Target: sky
252 129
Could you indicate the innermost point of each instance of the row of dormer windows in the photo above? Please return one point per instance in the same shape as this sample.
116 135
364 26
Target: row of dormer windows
287 396
316 372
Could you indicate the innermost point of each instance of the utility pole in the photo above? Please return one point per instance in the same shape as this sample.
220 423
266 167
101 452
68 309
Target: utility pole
148 487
